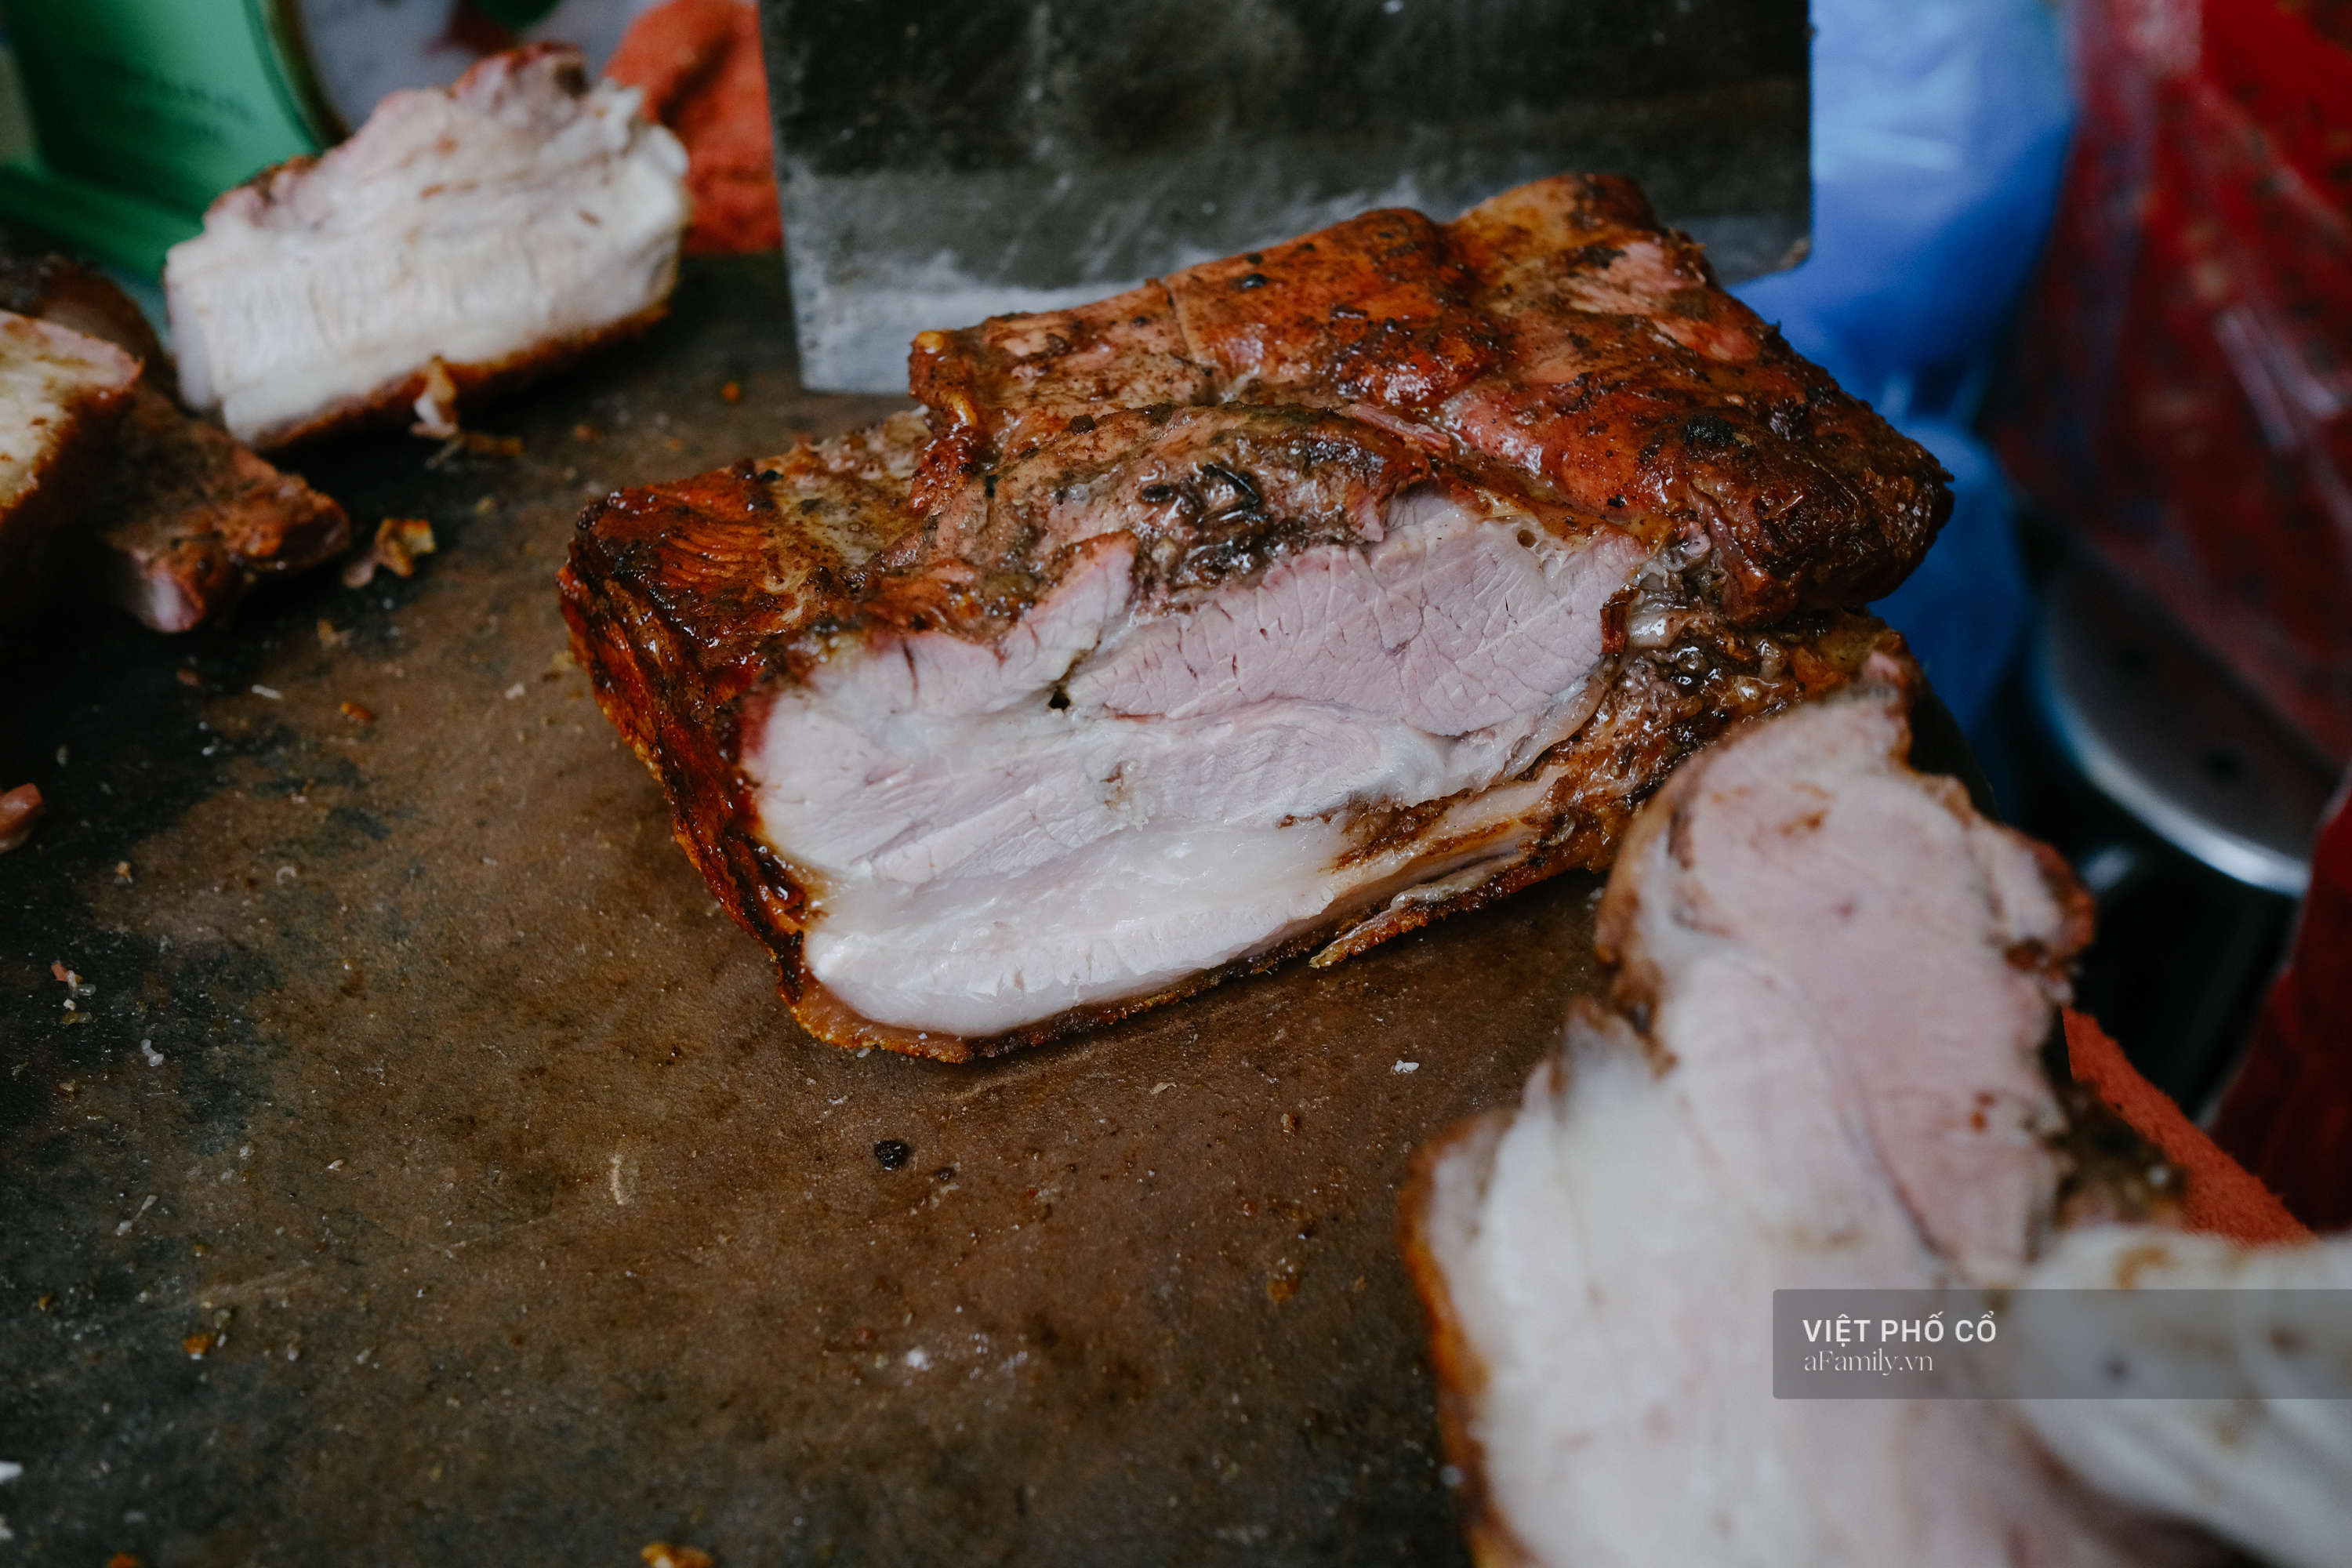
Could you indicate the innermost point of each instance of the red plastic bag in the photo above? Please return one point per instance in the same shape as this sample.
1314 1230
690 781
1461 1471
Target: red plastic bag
2183 387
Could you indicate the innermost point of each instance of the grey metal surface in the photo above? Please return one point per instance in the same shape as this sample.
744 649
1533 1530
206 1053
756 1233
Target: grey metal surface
943 162
2160 729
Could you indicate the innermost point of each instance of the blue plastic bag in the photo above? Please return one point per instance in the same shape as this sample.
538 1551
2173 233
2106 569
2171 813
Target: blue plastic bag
1939 131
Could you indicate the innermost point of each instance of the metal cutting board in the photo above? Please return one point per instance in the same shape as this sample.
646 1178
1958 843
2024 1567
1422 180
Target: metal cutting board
942 163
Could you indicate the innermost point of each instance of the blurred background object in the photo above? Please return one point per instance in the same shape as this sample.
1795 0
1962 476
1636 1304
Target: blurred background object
2185 374
946 163
2175 411
2139 612
699 62
2288 1116
1939 132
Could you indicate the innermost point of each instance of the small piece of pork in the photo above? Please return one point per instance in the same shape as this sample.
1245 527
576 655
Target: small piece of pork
1216 622
182 520
62 394
463 240
20 809
188 520
1820 1067
61 290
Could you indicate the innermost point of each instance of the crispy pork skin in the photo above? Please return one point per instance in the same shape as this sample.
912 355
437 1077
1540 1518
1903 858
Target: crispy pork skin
62 392
1557 330
187 519
1187 631
1819 1067
463 240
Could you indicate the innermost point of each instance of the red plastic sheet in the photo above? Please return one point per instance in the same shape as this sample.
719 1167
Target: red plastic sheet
2183 387
699 62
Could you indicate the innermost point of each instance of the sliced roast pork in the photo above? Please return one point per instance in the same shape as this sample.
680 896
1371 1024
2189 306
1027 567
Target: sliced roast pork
181 519
1229 619
62 394
1819 1067
464 238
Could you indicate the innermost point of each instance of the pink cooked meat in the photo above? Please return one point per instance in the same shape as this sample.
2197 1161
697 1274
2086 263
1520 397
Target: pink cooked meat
1819 1071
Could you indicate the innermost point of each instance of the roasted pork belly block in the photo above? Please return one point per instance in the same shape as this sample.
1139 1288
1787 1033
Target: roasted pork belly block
62 392
1820 1065
1187 631
464 238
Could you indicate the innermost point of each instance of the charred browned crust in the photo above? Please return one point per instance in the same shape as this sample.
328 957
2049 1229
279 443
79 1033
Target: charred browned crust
396 402
673 596
187 519
1692 407
1558 333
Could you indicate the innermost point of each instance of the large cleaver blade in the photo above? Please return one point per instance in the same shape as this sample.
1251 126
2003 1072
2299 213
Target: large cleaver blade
945 162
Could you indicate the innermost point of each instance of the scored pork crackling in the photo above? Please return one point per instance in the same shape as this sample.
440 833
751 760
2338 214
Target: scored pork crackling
1278 605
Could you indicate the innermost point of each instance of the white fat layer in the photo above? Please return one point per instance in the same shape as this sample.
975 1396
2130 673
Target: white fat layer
2270 1470
1610 1259
48 373
984 860
469 232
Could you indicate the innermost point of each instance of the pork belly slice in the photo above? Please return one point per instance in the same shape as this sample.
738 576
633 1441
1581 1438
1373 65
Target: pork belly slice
1819 1068
62 392
1196 689
464 239
2270 1469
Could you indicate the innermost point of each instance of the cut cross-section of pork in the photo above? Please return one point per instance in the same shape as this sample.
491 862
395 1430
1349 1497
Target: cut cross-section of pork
465 237
1192 628
1820 1067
